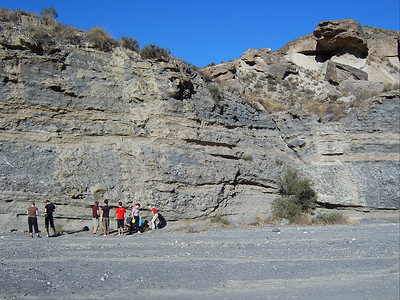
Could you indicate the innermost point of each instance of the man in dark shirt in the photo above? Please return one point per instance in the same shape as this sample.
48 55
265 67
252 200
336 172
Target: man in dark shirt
48 219
105 217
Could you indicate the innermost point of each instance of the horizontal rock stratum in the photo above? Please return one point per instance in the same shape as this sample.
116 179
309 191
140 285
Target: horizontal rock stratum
81 122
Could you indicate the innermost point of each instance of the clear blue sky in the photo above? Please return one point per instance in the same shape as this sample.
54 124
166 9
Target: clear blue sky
205 31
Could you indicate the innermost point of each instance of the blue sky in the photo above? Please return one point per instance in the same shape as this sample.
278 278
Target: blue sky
205 31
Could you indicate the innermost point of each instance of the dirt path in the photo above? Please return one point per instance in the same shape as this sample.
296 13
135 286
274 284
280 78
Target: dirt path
333 262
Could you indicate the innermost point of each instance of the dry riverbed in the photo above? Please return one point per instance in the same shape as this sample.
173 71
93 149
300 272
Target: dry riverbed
285 262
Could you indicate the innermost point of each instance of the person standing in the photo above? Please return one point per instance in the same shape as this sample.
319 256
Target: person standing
154 219
32 213
135 216
105 217
120 218
95 217
48 219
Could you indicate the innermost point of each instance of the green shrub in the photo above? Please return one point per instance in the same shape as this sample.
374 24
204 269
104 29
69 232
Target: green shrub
297 196
130 43
286 207
300 188
152 51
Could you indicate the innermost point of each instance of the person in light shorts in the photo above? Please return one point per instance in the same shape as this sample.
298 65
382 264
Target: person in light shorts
154 219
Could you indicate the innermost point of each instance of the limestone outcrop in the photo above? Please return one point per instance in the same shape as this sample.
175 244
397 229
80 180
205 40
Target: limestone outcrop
80 123
336 37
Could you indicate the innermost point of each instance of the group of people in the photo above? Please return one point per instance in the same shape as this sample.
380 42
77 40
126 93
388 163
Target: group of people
133 223
33 212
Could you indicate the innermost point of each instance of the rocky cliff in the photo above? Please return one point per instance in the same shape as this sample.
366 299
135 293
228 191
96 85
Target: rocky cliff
81 122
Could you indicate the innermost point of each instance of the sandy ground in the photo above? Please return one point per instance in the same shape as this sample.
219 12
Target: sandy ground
284 262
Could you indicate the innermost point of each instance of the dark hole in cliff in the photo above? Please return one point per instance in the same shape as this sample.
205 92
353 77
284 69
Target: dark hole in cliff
56 88
185 90
323 56
250 63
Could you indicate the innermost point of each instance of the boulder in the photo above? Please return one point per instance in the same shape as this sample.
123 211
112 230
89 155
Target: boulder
335 37
336 73
270 64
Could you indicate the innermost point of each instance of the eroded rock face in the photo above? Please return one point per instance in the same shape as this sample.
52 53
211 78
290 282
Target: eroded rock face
335 37
79 124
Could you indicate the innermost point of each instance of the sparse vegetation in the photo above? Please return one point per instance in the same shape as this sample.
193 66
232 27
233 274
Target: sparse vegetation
100 39
152 51
391 86
297 196
49 13
12 16
262 220
330 219
272 105
46 32
130 43
216 91
316 107
220 220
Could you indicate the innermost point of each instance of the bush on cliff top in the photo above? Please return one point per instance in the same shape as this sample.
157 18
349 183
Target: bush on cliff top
100 39
152 51
130 43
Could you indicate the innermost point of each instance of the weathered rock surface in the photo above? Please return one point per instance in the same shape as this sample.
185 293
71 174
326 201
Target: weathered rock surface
79 124
336 37
337 73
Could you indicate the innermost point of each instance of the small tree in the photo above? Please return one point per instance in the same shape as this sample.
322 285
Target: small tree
298 196
49 12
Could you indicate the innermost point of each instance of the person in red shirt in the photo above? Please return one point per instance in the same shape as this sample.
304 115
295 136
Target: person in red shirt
120 218
95 217
154 219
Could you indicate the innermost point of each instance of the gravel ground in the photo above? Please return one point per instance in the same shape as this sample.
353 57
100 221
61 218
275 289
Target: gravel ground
331 262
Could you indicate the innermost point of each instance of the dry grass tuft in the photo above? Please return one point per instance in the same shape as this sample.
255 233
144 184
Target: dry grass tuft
330 219
220 220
